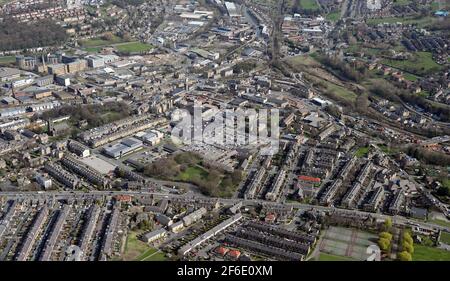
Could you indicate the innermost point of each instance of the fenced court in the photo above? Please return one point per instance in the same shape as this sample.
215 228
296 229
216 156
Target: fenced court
347 242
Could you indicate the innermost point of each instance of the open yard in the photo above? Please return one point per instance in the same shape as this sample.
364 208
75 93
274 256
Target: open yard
425 253
345 244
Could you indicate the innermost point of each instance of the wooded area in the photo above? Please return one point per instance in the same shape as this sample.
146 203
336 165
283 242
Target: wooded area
15 35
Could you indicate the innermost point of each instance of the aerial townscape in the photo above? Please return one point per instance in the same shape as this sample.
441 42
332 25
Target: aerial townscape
99 159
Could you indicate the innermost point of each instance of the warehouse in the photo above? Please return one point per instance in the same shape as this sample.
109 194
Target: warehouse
126 146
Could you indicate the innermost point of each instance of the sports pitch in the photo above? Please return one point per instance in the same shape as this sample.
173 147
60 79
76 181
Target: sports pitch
347 242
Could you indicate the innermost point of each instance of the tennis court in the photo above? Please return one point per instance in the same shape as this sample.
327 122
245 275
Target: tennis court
346 242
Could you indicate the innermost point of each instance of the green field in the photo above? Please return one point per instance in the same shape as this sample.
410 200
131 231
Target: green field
134 247
300 61
362 152
334 16
192 172
410 77
309 4
341 91
97 42
93 49
424 253
133 47
401 2
421 63
152 254
8 59
328 257
445 238
388 150
420 22
440 222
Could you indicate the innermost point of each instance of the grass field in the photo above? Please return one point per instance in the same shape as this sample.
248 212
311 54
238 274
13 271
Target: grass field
328 257
8 59
445 238
192 172
93 49
401 2
134 247
421 63
299 61
341 91
440 222
151 254
133 47
97 42
154 255
362 152
334 16
309 4
388 150
410 77
420 22
424 253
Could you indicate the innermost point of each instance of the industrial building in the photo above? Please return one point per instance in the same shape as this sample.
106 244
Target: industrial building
123 148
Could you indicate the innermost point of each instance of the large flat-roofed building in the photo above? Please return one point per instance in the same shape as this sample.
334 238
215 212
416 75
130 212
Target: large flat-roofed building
231 9
126 146
151 137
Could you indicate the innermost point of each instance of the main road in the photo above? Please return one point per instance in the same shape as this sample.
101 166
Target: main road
399 220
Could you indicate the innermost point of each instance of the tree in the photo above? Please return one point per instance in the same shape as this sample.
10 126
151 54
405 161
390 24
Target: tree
17 35
388 224
384 244
386 235
407 238
404 256
408 248
443 191
108 36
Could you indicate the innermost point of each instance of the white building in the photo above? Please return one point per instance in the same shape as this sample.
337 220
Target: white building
43 181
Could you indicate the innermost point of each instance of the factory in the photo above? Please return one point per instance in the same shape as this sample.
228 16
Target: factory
123 148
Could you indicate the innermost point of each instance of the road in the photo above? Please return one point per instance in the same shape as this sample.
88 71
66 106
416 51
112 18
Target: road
224 201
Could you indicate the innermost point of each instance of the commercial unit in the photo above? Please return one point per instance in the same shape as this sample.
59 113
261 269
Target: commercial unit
126 146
